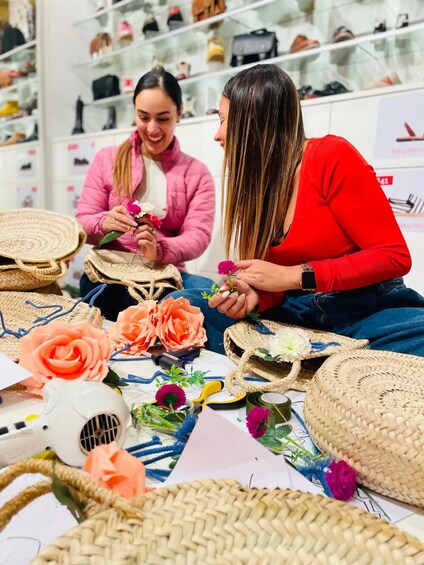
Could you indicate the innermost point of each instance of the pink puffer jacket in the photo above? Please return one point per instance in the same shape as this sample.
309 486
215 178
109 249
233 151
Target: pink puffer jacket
186 228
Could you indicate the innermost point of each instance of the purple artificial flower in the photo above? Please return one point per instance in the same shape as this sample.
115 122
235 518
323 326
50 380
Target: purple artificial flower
170 396
257 420
226 267
341 480
133 207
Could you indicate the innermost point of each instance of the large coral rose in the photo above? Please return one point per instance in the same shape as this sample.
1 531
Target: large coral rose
135 325
179 324
66 351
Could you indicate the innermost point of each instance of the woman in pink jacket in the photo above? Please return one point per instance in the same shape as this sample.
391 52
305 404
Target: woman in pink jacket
149 167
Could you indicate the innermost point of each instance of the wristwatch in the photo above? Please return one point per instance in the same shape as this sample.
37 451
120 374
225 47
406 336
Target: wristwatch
308 281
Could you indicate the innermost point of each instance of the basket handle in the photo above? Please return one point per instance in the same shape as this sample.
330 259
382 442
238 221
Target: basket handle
235 377
87 490
55 269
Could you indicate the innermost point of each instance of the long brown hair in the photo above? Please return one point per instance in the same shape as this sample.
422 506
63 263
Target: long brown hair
263 148
156 78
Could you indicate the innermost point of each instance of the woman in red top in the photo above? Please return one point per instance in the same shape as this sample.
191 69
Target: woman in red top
317 242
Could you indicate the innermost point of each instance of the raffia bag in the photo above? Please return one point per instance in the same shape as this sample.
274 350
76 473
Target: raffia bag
144 281
212 522
18 313
367 407
242 341
35 247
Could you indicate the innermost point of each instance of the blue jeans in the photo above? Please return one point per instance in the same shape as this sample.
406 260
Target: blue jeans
116 297
388 314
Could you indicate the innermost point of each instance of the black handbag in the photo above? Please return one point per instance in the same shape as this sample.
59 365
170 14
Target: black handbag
106 86
12 37
253 47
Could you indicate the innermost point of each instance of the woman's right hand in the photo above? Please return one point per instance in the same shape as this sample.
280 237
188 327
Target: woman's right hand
119 219
237 304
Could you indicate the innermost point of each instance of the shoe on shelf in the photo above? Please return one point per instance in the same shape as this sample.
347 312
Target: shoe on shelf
332 88
412 135
301 42
175 18
341 34
215 52
6 78
16 137
100 45
189 104
9 109
33 136
306 92
388 80
402 20
183 70
124 33
111 120
380 26
150 27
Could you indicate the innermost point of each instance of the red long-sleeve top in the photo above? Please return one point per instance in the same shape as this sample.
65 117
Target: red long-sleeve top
342 226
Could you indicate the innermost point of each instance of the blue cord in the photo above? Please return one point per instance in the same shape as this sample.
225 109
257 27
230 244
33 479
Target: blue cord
154 441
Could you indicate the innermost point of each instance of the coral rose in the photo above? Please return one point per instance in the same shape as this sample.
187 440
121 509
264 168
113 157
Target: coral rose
135 325
66 351
180 324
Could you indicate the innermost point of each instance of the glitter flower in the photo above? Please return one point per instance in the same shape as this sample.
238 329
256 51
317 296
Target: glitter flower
226 267
257 421
290 344
341 480
170 396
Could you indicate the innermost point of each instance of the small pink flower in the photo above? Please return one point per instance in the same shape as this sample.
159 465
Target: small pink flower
155 221
170 396
341 480
226 267
257 420
133 207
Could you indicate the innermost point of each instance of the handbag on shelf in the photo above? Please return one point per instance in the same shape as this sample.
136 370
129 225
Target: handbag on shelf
253 47
144 280
105 86
203 9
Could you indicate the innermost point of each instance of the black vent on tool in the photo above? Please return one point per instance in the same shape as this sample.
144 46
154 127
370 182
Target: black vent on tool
101 429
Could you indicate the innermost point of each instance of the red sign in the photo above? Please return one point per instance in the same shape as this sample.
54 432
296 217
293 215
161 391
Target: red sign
385 180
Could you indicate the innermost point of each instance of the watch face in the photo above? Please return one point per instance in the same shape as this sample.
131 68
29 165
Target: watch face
308 280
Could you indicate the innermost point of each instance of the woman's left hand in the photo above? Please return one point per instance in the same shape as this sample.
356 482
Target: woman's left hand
145 236
267 276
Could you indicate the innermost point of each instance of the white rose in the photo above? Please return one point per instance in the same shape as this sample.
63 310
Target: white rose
289 344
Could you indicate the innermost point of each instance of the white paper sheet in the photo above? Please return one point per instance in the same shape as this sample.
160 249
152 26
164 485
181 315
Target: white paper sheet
10 372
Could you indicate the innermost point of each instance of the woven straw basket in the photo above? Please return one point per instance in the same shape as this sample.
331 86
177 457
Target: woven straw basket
213 522
367 407
35 247
17 313
241 343
144 282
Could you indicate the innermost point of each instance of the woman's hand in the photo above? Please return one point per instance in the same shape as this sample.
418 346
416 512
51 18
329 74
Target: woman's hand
119 219
264 275
145 236
237 304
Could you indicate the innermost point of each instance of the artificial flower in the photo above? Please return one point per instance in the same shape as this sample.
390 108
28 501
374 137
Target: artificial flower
116 469
170 396
226 267
136 326
64 350
257 421
341 480
140 211
289 344
179 324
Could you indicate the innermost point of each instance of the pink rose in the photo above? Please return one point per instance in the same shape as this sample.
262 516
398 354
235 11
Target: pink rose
226 267
180 324
135 325
133 207
64 350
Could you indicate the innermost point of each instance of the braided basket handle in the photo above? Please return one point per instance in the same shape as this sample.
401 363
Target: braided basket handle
55 269
150 291
87 490
236 377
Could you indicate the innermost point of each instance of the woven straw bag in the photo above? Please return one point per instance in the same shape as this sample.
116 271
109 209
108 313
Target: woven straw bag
212 522
144 281
35 247
242 341
367 407
18 313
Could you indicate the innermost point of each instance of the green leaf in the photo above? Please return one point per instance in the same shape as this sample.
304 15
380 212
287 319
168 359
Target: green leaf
263 350
67 496
112 379
110 236
282 431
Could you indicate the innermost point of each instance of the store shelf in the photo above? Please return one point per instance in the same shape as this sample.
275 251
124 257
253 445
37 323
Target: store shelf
19 85
18 122
121 8
19 53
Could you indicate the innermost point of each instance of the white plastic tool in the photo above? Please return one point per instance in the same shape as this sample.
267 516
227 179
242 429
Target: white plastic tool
78 416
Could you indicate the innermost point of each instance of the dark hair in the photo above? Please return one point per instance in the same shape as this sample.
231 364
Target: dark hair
263 148
159 78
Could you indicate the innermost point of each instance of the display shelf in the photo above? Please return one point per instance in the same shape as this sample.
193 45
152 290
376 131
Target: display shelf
18 122
120 8
19 53
21 84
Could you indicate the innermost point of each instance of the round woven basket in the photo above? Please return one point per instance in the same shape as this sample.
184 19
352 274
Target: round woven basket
367 407
38 241
242 341
216 522
17 313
